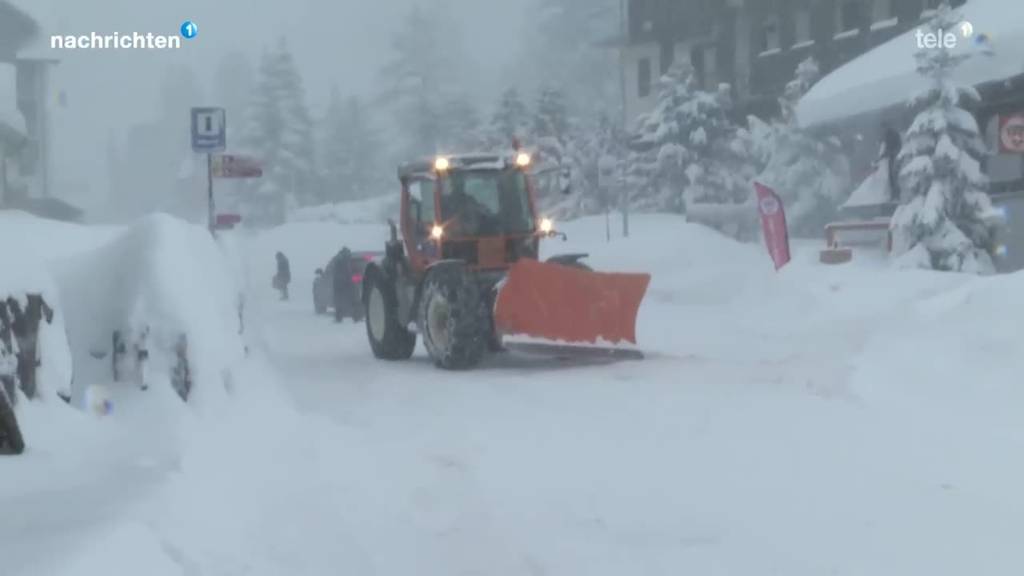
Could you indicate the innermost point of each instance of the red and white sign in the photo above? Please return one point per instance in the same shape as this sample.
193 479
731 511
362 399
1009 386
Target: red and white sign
1011 134
773 221
229 166
226 221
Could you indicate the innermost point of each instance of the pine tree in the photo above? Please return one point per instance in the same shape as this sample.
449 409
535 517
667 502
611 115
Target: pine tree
688 150
567 50
809 172
460 126
351 151
551 140
511 119
279 131
423 73
946 220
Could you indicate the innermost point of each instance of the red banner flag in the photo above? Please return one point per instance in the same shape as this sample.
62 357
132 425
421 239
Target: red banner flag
773 220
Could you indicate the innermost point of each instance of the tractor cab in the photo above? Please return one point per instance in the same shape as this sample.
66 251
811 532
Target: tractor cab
479 209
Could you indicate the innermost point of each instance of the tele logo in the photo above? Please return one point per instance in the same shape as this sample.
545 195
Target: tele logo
943 38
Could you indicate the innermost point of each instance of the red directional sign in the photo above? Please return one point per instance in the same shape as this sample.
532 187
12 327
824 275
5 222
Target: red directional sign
226 221
232 166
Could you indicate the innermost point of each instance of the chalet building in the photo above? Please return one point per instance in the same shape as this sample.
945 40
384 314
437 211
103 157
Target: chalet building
754 45
24 108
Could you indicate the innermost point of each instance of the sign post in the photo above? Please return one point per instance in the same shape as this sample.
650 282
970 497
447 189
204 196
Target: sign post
209 135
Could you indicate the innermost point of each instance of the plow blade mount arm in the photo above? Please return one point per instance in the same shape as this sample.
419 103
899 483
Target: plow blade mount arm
569 304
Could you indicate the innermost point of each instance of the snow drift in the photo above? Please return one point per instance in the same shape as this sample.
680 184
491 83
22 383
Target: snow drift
160 275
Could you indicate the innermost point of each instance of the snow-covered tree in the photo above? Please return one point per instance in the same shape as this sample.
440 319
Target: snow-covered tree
351 161
279 131
945 220
511 119
424 73
568 48
809 172
688 149
551 140
461 129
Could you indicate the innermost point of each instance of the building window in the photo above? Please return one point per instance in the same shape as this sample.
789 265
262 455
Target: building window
849 16
643 78
641 18
768 35
802 28
667 56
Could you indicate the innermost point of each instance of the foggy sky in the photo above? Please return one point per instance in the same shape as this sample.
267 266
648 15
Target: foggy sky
341 42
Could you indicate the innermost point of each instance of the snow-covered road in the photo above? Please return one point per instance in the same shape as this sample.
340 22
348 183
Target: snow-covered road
850 420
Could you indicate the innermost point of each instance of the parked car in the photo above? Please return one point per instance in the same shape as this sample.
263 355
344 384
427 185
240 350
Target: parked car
324 293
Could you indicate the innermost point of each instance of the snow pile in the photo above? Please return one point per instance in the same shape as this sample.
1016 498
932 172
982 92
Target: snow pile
886 75
162 275
370 211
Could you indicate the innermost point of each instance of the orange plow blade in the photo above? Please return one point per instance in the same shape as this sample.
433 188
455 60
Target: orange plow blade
557 302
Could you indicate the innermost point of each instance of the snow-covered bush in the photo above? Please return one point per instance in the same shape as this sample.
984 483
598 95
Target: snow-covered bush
809 172
945 220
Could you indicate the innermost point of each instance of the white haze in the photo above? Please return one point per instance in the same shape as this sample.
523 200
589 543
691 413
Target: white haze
335 42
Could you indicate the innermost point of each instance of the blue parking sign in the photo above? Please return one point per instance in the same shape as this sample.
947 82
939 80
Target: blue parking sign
209 130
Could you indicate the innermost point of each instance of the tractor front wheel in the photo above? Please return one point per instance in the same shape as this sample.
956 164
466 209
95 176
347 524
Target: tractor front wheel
453 318
389 339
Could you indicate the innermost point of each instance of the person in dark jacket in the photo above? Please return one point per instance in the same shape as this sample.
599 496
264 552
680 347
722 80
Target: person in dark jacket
345 300
891 144
283 276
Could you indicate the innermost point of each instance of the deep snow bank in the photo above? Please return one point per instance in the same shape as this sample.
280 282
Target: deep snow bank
161 273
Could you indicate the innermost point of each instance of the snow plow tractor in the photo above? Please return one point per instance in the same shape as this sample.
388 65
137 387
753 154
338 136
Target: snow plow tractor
461 269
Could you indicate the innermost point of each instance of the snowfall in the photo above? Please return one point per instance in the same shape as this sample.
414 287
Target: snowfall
854 419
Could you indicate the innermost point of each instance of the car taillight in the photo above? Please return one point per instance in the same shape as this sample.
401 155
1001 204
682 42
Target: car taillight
357 278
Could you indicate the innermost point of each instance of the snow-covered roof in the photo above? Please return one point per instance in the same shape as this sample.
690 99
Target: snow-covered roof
886 75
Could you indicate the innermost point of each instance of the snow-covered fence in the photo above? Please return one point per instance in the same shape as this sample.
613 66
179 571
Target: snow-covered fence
20 320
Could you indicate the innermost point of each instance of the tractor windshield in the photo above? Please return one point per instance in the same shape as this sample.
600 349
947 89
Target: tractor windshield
486 203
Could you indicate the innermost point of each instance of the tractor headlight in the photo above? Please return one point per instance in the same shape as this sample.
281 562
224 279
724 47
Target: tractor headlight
522 159
546 225
441 164
437 232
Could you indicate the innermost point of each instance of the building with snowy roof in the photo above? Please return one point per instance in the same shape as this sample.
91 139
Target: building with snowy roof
873 90
24 111
754 45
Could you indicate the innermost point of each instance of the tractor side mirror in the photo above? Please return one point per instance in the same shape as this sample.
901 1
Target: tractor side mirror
565 180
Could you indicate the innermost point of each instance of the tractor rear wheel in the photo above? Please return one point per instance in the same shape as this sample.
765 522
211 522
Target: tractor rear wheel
389 339
453 318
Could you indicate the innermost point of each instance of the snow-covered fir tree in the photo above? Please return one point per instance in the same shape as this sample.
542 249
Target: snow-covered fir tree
550 138
351 160
656 165
511 119
423 74
688 149
809 172
461 126
945 220
279 131
566 48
